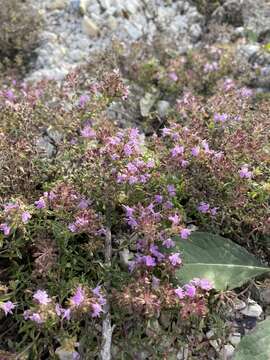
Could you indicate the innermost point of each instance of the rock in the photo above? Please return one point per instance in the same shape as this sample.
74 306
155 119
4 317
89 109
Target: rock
125 257
252 309
210 334
89 27
163 108
253 15
265 296
256 15
215 345
235 338
239 305
133 31
249 52
83 5
57 5
230 12
54 135
227 352
183 354
45 145
112 22
147 102
77 55
64 354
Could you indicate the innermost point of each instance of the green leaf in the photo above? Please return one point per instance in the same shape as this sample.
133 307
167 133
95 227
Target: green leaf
255 345
218 259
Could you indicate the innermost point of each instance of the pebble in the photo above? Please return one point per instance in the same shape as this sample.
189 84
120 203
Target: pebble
163 108
227 352
235 338
46 147
252 309
89 27
146 103
57 5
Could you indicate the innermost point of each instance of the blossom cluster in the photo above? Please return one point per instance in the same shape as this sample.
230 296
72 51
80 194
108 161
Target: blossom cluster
84 301
149 296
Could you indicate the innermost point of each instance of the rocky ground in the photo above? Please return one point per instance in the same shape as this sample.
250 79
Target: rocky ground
76 28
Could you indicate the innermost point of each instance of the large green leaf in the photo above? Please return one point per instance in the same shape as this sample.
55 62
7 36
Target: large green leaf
218 259
255 345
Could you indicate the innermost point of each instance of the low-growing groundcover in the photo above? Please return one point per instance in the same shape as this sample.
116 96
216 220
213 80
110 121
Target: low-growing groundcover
94 239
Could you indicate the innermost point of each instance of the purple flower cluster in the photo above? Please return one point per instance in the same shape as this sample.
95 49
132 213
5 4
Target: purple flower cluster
205 208
7 307
45 306
221 118
210 67
190 290
245 173
136 172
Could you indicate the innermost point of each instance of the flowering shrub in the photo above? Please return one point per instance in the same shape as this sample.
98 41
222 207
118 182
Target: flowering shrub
91 231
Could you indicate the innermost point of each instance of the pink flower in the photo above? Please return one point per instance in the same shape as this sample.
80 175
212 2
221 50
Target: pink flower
65 313
179 292
166 131
185 233
42 297
97 309
175 219
128 150
83 100
78 298
184 163
101 299
175 259
195 151
190 290
213 211
154 251
168 243
173 76
5 228
7 307
129 210
245 173
245 92
83 204
171 190
210 67
205 284
72 227
75 355
206 147
40 204
168 205
177 150
149 261
26 216
159 199
221 117
36 318
10 206
203 207
88 132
